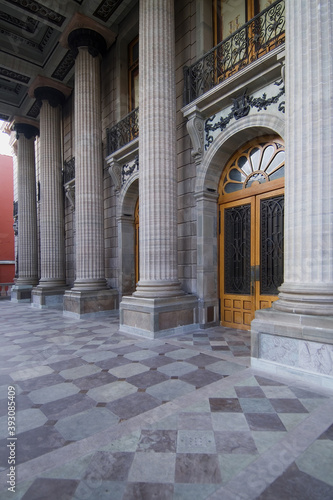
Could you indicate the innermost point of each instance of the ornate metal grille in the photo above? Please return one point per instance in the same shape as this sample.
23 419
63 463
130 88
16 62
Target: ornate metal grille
237 250
123 132
257 37
271 244
69 170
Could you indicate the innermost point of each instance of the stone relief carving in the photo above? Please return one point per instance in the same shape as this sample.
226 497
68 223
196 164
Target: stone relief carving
305 355
240 108
279 349
316 357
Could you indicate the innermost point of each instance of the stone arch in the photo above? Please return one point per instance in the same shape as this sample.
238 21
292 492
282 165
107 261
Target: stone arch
206 194
228 141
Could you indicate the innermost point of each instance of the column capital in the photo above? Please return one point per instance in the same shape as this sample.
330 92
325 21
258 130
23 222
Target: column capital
26 127
43 88
85 32
84 37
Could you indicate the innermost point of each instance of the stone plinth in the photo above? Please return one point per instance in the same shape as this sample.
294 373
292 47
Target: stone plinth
50 298
85 304
21 293
155 318
300 344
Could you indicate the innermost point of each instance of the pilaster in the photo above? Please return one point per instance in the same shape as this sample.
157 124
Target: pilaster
207 278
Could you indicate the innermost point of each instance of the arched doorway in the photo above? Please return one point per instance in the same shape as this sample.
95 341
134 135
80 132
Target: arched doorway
251 208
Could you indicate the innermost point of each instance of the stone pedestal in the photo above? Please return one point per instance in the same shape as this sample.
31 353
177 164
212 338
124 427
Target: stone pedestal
158 306
89 304
160 317
300 344
27 213
298 332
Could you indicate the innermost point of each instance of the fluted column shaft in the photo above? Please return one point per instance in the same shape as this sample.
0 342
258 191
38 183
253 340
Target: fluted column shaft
157 146
27 212
90 270
51 203
308 282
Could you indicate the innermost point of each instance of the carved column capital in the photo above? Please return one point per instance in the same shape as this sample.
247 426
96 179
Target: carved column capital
85 37
50 94
26 129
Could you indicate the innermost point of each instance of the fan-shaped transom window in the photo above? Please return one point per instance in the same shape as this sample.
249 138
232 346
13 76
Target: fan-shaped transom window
254 164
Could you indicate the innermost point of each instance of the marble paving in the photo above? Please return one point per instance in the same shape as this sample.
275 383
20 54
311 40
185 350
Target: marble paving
104 415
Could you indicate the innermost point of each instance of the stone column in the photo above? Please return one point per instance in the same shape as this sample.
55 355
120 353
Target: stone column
306 296
90 293
49 292
157 180
27 213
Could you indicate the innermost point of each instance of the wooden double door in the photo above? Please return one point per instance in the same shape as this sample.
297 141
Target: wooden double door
251 256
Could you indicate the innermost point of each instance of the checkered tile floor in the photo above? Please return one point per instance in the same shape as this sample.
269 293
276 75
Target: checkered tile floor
105 415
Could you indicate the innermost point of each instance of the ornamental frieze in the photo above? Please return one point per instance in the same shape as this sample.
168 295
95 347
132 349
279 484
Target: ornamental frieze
240 108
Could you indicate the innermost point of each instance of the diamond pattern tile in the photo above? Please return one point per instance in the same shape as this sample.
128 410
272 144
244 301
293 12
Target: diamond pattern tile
105 415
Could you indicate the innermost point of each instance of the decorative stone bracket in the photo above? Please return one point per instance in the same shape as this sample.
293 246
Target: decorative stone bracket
196 128
70 193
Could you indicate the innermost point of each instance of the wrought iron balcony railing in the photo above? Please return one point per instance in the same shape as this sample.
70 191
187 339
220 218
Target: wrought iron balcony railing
123 132
258 36
69 170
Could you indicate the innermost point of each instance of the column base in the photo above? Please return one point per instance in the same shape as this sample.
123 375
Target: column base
90 303
300 345
48 298
161 317
21 293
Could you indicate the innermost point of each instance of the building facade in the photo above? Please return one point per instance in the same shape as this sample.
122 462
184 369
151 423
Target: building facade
174 164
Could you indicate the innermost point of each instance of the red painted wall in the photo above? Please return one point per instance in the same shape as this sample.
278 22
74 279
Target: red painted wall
7 251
